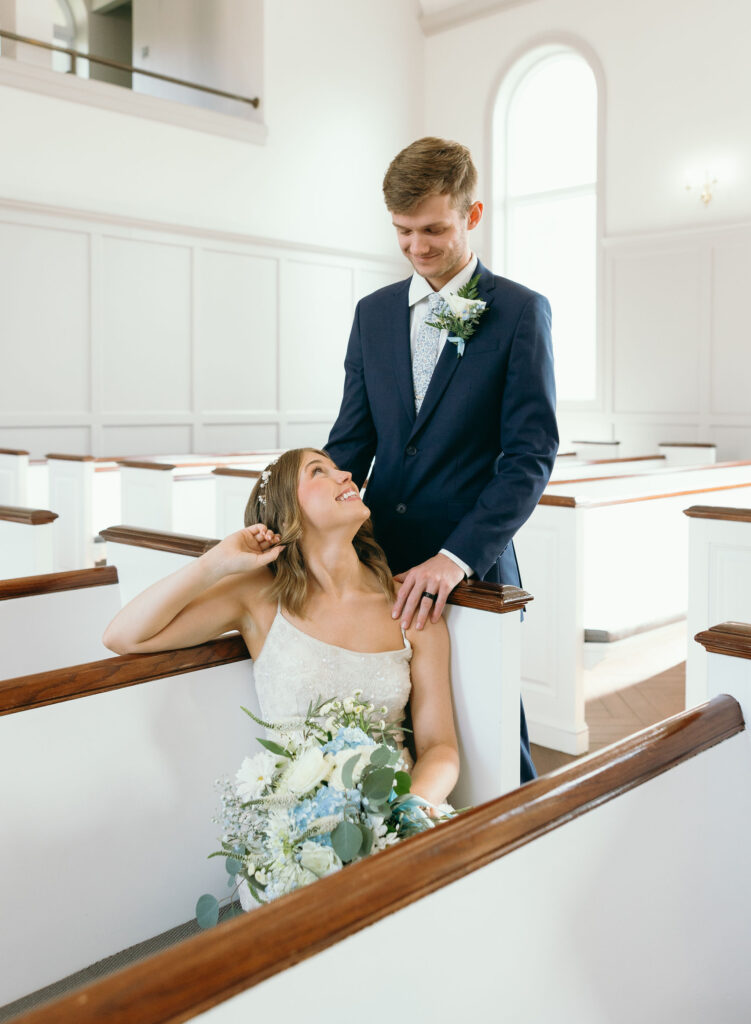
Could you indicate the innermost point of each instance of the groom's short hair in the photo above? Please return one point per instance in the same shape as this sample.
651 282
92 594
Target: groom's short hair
430 167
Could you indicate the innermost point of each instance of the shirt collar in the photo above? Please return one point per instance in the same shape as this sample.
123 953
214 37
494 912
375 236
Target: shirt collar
419 288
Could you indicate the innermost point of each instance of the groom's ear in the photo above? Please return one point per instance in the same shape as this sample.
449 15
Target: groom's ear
474 215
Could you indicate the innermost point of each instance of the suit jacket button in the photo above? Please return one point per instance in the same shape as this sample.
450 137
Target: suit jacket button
411 450
401 508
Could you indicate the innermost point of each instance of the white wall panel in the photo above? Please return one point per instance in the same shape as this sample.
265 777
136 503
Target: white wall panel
154 439
144 326
305 435
236 322
367 281
731 337
732 442
44 298
38 441
316 318
657 325
236 437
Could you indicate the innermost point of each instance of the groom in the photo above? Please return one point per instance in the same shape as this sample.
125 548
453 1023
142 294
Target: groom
464 442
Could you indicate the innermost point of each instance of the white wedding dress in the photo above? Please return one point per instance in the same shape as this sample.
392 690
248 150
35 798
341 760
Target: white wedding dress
294 669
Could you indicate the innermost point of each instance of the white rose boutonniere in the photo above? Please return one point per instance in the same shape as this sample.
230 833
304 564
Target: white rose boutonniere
463 316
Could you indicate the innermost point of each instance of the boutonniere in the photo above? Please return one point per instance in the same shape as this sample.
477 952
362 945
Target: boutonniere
462 317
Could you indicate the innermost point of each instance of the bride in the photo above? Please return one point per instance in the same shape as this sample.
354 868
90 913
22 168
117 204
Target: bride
310 591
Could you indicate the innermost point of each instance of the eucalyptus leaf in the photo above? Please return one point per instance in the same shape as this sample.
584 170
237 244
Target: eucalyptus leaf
234 911
233 866
402 783
378 784
207 911
367 839
380 757
274 748
348 770
231 882
346 840
393 757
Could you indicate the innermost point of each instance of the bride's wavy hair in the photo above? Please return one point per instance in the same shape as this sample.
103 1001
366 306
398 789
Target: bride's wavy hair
274 503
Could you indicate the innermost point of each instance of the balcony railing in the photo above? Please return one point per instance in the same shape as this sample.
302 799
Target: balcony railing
75 56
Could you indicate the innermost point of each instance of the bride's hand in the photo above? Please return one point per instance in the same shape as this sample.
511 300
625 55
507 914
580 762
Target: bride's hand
246 550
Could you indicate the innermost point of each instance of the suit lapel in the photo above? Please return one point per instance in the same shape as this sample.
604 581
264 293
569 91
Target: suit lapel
396 326
448 361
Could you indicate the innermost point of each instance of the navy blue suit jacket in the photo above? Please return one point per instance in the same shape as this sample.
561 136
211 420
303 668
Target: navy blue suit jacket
467 471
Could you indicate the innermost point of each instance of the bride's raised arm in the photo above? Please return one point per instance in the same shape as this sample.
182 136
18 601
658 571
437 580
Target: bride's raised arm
437 766
200 601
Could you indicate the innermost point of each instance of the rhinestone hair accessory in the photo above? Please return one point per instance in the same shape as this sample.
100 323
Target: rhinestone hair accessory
264 480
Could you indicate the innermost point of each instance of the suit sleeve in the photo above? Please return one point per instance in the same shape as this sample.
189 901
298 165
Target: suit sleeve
529 442
352 441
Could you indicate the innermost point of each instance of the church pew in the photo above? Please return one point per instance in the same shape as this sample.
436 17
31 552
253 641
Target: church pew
656 480
584 469
719 581
178 495
232 490
55 619
597 449
86 492
152 732
686 453
601 568
485 648
14 471
26 541
628 867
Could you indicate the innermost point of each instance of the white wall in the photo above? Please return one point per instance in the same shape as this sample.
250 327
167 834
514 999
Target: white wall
120 332
342 93
676 81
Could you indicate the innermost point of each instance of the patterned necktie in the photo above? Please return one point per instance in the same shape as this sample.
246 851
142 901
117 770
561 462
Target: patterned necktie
425 353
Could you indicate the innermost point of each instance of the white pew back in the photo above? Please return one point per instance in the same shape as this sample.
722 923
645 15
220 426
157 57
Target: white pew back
55 619
115 790
719 582
608 467
26 541
614 567
14 470
655 811
484 627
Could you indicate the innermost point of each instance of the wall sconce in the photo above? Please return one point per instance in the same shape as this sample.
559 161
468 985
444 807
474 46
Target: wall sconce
704 188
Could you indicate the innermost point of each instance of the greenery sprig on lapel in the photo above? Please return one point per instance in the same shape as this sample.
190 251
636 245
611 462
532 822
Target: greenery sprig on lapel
461 315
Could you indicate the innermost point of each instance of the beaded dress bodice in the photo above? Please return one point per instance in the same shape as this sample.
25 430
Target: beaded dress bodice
294 669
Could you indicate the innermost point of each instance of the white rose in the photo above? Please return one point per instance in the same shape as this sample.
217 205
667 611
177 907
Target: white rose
341 758
255 773
321 860
459 305
307 771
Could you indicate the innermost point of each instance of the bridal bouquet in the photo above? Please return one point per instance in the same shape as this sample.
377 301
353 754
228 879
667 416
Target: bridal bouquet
332 790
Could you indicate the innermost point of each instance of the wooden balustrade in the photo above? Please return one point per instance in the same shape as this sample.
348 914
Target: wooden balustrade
53 582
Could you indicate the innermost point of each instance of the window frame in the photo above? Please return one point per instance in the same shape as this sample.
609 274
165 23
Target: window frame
521 63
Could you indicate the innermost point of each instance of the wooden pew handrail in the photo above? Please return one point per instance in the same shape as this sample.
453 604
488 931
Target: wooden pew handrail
25 693
29 516
571 501
70 458
200 972
137 464
733 515
486 597
730 638
686 444
53 582
251 474
13 451
668 471
156 540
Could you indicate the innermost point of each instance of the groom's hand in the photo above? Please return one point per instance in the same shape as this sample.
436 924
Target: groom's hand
439 575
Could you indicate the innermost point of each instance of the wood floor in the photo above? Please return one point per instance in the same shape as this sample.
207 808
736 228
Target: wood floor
619 714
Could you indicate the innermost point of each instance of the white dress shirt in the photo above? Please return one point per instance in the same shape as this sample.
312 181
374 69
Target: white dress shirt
419 308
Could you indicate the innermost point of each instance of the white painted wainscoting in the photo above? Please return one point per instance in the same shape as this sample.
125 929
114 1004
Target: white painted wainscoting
133 337
674 353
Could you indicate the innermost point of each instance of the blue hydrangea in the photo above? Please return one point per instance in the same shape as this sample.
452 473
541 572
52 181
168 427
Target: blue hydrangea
348 737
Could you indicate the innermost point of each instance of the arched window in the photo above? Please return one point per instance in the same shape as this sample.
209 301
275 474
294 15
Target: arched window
69 29
545 231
